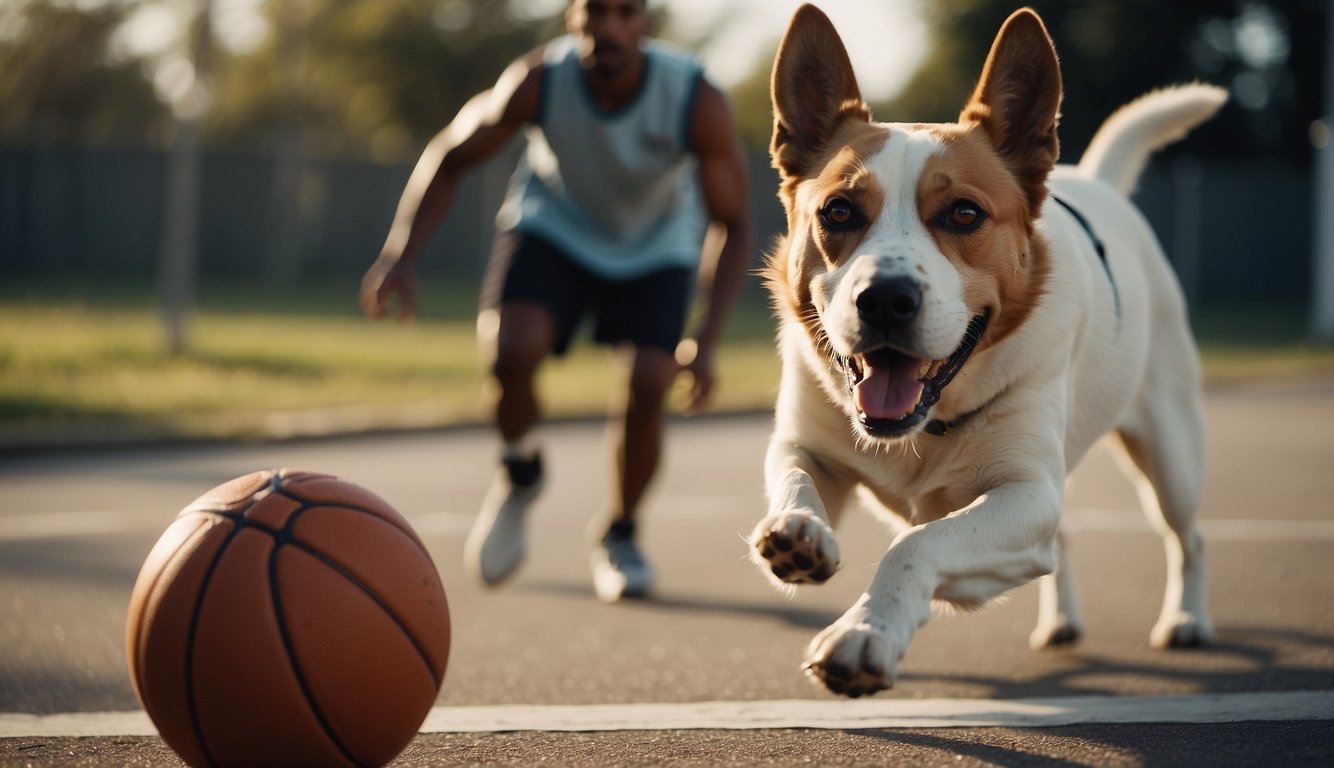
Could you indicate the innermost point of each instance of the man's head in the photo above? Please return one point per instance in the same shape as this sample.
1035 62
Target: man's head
608 31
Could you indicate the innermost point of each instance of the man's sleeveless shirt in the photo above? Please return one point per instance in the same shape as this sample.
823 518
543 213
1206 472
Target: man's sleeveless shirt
616 191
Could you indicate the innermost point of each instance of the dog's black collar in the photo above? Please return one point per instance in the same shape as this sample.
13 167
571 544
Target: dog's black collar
939 428
1097 246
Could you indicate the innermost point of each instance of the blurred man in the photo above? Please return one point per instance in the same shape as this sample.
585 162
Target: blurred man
603 217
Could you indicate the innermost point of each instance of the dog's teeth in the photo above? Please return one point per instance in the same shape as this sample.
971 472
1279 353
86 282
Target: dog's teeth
913 408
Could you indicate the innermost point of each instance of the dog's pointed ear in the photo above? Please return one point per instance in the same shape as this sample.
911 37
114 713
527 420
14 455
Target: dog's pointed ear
1018 100
813 89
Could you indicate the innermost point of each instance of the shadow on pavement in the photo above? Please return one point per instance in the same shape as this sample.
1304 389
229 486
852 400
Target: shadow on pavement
1247 659
798 617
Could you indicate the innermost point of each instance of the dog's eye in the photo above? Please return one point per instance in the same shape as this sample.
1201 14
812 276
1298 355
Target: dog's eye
839 214
963 216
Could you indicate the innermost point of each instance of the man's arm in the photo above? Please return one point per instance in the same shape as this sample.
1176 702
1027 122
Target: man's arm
727 249
481 129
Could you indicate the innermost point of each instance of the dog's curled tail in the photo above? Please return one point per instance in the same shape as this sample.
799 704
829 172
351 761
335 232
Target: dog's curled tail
1121 148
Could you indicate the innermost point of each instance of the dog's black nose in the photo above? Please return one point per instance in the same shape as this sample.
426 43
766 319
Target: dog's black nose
890 304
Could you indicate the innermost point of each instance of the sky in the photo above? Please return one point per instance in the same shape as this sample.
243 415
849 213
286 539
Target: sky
885 38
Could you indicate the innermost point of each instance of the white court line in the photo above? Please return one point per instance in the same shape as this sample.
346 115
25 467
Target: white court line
839 714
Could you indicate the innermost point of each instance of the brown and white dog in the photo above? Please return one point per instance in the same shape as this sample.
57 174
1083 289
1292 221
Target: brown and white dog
961 320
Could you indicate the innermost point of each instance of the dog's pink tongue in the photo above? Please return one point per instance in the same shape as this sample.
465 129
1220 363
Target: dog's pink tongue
881 395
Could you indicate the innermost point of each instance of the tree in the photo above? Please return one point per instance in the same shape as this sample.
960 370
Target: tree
377 77
373 77
1267 52
62 84
751 102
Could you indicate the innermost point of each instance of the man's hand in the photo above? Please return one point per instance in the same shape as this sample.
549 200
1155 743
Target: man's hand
389 275
698 362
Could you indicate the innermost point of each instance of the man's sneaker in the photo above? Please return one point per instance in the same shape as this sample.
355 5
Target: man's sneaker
495 545
619 570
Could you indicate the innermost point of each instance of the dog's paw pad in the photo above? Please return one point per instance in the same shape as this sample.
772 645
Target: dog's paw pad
1181 630
1060 635
796 547
852 659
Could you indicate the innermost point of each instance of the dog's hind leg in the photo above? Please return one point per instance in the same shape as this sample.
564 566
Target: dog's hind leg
1059 622
1164 446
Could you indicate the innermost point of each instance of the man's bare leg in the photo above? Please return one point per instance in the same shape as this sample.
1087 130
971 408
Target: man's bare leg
635 435
524 340
496 546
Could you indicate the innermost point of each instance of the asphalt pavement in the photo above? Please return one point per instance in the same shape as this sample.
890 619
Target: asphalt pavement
716 652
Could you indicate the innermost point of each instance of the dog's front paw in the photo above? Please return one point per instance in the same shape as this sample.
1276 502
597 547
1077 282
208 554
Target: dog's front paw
855 655
1182 629
796 547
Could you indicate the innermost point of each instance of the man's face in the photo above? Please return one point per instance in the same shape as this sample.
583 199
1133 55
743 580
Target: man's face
608 32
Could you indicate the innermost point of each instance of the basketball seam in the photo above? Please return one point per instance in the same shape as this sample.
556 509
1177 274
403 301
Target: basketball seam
191 636
137 666
290 647
290 539
242 522
284 490
351 577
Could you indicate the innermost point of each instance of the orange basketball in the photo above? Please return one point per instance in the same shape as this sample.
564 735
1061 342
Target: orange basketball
288 618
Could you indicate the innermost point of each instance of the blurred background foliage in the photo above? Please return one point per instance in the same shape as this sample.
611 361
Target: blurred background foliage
364 78
376 78
62 81
1268 54
309 114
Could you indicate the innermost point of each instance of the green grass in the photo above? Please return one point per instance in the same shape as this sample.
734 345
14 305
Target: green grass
1257 343
83 359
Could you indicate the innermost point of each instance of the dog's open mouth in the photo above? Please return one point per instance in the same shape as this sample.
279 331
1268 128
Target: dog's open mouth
894 391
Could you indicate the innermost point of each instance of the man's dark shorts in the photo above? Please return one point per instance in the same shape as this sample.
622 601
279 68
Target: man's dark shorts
645 311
